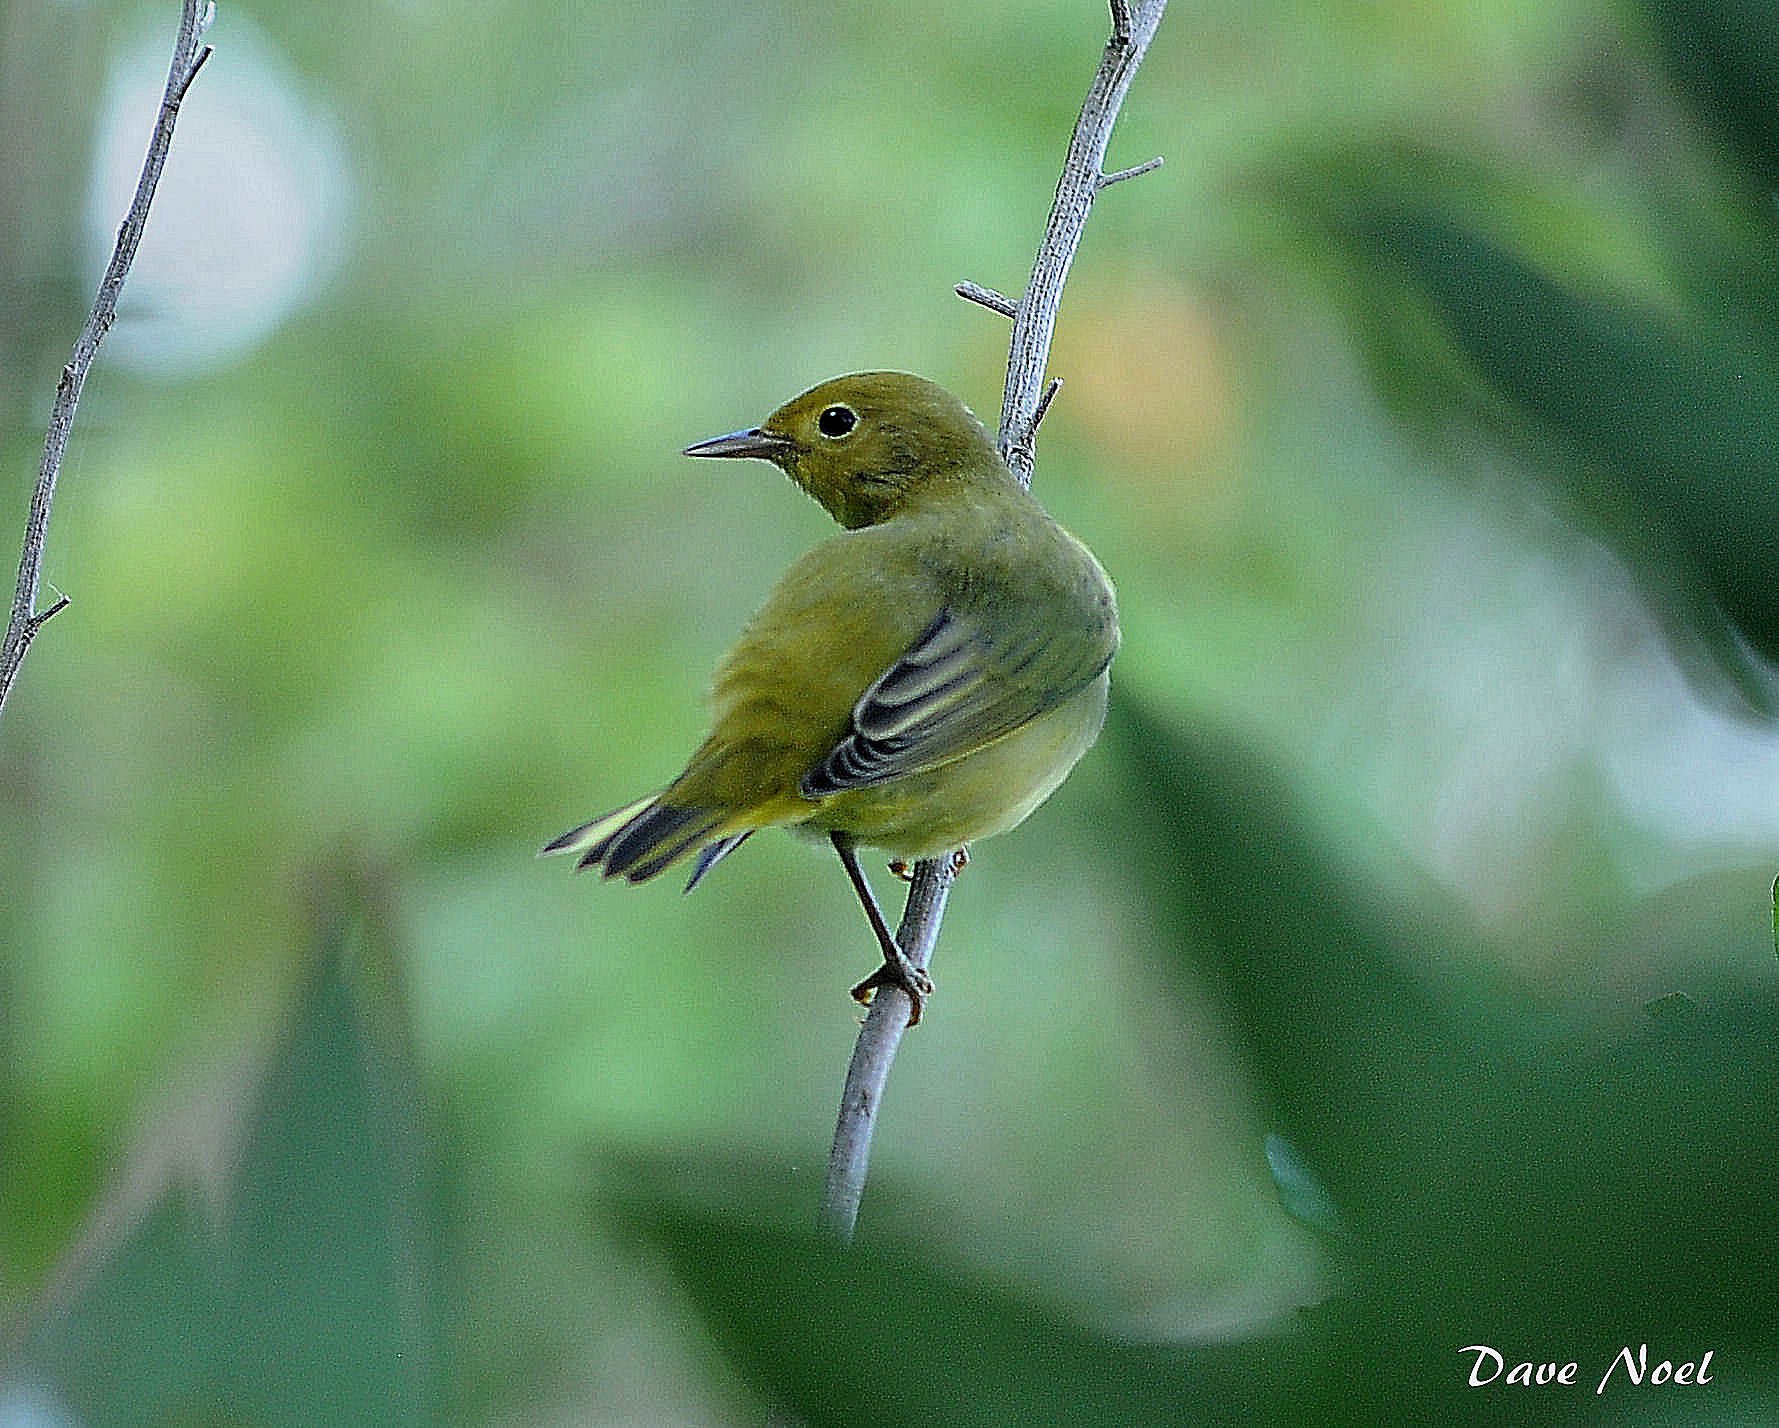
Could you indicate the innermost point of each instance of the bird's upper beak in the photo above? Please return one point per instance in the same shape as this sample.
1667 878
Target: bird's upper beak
755 441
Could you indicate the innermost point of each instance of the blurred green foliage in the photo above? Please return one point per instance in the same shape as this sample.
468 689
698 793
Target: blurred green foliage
1422 408
312 1293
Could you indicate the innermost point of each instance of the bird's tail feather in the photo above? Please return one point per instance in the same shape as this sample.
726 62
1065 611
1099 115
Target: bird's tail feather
713 853
640 839
579 840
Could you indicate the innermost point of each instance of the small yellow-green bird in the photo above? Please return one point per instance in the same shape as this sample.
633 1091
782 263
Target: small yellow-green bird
924 679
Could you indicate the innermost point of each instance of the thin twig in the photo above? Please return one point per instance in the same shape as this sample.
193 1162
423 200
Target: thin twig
876 1050
1026 398
1083 175
189 54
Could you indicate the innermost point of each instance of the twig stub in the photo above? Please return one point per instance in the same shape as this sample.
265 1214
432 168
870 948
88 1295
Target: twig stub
192 73
48 613
1134 171
987 297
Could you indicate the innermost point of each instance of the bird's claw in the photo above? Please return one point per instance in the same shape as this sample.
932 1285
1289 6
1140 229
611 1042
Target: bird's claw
898 971
959 859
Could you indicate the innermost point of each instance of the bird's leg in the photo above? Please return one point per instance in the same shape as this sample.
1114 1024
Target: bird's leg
897 970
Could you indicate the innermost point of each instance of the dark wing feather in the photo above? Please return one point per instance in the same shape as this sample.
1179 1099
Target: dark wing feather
953 692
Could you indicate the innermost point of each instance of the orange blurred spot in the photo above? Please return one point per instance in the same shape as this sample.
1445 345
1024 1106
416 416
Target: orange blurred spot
1149 387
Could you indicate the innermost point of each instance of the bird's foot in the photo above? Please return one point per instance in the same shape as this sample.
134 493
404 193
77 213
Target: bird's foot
898 971
958 858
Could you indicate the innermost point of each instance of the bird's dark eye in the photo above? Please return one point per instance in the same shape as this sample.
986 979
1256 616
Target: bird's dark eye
836 421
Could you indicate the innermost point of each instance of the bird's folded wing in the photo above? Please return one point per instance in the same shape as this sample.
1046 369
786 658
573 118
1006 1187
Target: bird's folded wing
953 692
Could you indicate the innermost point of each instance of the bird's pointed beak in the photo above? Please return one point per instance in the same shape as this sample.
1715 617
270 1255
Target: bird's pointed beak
756 441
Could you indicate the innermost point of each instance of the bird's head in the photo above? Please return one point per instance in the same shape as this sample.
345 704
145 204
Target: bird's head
864 444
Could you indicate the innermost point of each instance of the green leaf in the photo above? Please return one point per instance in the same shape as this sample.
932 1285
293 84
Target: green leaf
1683 418
1501 1177
329 1302
1726 52
1346 1043
312 1297
133 1339
865 1334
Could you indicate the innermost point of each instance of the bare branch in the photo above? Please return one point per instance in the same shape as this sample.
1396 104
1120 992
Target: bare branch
1135 171
189 54
1026 398
876 1049
988 297
1035 323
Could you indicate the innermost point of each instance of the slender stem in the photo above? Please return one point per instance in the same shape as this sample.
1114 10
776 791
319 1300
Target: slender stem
875 1051
1026 398
189 54
1083 176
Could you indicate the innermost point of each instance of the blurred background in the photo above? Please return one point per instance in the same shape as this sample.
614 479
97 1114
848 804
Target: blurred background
1398 973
